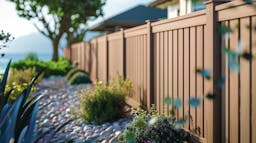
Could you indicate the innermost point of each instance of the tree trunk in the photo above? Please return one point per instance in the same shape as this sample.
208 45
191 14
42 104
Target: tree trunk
55 55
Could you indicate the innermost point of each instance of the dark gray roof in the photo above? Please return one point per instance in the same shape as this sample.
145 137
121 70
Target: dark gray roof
130 18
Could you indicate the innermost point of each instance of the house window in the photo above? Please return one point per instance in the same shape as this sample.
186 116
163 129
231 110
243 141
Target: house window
198 7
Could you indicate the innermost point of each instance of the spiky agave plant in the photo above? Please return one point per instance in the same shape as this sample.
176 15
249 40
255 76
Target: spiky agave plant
18 119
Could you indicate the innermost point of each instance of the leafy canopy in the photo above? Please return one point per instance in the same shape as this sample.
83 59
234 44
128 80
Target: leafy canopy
59 16
55 18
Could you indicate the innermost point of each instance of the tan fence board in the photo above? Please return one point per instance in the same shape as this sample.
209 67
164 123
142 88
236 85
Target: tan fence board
245 83
234 89
253 78
186 75
180 71
199 80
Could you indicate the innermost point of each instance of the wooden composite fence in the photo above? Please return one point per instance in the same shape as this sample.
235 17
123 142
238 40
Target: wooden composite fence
161 59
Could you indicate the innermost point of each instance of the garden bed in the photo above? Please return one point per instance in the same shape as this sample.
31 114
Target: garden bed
58 104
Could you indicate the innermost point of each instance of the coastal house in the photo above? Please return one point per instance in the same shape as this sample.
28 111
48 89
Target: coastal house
130 18
178 7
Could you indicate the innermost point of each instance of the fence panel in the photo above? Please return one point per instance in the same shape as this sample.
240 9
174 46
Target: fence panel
102 59
240 85
115 55
136 64
75 56
87 54
175 72
94 60
162 59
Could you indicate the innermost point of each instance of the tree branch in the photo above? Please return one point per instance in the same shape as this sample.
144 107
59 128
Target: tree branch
41 31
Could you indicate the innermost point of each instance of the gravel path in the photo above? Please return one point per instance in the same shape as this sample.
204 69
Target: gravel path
56 107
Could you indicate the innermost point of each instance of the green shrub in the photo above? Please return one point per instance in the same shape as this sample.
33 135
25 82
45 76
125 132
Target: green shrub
72 72
79 78
32 56
105 103
138 125
49 67
163 130
19 80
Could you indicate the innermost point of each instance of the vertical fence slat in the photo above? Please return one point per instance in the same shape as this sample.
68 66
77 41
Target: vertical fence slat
161 71
165 68
139 67
253 99
175 66
192 75
199 79
225 91
157 70
234 128
170 65
245 84
180 73
186 74
145 90
136 67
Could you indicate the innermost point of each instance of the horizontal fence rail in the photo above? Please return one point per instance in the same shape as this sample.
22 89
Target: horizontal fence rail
162 58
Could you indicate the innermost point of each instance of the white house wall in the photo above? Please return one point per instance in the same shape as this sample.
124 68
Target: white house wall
182 8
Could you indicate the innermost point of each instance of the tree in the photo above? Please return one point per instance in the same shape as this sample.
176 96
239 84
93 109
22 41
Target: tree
4 39
76 35
55 18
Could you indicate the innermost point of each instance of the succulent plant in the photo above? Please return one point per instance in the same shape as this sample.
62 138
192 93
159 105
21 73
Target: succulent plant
18 119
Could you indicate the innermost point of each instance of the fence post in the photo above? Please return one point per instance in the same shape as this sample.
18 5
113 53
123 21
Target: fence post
107 61
124 52
97 59
212 62
70 54
150 65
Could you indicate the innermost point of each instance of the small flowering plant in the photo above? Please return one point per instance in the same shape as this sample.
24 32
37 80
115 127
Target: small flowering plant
162 131
153 128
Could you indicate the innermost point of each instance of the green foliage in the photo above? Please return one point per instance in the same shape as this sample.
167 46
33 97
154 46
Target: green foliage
152 127
50 68
79 78
194 2
105 102
60 17
32 56
4 96
5 37
163 131
18 119
21 76
19 80
72 72
138 125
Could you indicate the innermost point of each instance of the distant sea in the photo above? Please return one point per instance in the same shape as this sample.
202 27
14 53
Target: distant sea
16 57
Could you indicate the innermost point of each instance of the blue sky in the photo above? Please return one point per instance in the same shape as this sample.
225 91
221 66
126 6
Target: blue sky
19 27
